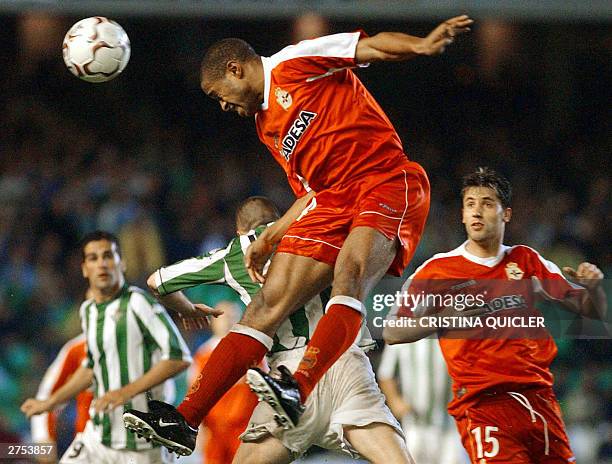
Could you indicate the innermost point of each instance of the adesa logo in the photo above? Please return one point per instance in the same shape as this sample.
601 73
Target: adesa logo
296 131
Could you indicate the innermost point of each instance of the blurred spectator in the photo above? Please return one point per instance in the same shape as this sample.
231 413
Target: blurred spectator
309 26
142 246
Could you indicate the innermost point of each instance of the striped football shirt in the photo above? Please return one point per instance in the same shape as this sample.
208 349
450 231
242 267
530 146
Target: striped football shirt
125 338
226 266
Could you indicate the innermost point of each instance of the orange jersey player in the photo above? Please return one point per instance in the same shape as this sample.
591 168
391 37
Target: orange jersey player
230 416
366 210
503 401
65 364
348 153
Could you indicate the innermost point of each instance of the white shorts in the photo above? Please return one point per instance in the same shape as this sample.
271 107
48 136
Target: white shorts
347 395
87 449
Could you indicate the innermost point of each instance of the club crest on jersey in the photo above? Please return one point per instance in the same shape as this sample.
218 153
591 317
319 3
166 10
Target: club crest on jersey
513 272
283 98
115 315
297 129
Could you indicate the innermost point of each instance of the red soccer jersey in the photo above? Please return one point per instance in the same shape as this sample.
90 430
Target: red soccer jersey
482 358
65 364
319 121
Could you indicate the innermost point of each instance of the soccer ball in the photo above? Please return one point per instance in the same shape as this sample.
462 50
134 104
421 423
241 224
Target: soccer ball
96 49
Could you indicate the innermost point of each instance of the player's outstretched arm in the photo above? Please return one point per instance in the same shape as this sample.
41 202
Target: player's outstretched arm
593 303
79 381
397 46
178 302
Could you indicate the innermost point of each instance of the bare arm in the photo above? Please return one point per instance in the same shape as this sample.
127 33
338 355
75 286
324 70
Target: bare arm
275 232
399 407
79 381
397 332
178 302
593 303
260 250
157 374
397 46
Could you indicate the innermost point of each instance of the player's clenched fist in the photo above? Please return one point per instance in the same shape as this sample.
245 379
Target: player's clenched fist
32 407
588 275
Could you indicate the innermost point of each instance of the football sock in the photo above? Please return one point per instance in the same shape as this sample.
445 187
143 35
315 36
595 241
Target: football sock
229 361
335 333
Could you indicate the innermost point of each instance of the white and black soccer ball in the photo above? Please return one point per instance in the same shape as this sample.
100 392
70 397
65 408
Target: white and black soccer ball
96 49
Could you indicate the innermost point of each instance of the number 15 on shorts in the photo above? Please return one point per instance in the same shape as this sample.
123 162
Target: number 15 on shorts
487 440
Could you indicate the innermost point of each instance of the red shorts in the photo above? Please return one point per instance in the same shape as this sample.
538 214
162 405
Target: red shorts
519 428
396 204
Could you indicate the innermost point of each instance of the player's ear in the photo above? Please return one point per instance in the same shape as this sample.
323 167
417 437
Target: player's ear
507 215
83 270
234 68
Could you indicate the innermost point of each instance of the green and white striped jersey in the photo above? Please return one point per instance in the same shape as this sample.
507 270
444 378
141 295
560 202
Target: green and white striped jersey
226 267
423 379
125 338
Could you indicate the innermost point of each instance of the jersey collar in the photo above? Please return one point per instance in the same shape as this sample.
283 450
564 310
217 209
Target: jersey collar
267 69
490 261
123 290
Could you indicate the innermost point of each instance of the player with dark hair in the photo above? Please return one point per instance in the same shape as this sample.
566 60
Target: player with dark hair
213 64
330 136
133 347
503 401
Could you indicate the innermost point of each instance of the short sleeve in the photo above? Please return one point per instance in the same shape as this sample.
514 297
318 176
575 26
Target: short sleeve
207 269
318 57
160 327
549 282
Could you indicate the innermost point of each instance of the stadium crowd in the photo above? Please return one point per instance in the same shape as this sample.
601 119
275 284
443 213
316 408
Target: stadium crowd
148 158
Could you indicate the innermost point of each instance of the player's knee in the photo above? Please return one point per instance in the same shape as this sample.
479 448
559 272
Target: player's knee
265 312
261 452
380 443
250 458
349 276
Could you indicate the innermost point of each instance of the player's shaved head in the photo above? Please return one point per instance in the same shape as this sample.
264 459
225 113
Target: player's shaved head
214 64
487 177
255 211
